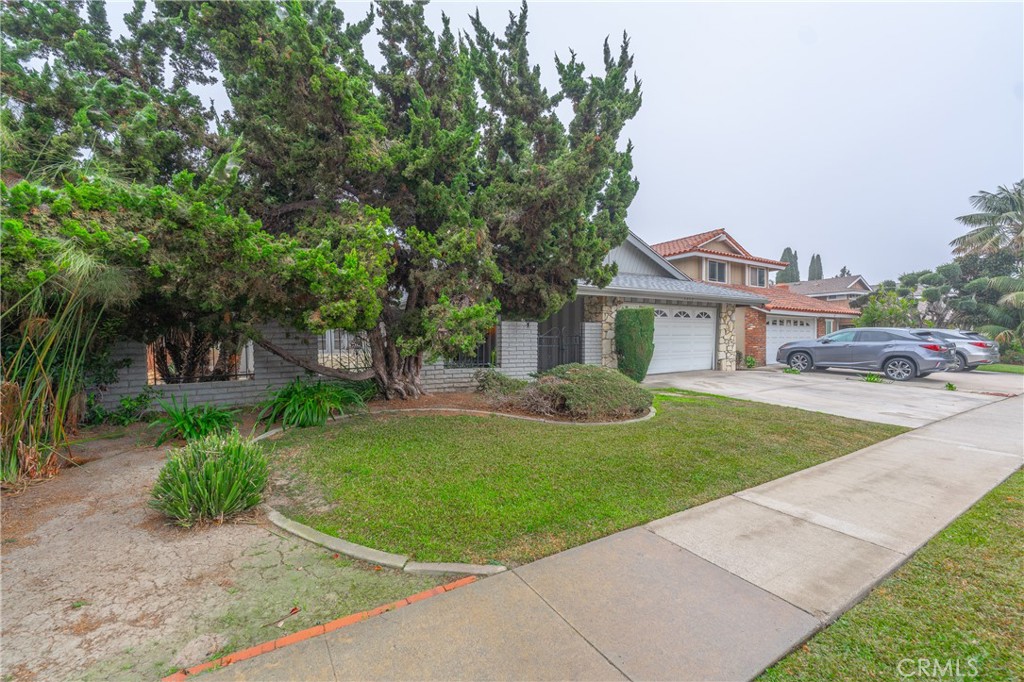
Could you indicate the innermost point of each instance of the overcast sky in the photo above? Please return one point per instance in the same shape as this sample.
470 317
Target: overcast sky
854 130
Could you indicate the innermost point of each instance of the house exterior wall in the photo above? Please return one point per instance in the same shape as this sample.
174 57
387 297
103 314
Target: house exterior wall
726 344
740 330
821 326
632 260
592 343
691 267
755 330
269 372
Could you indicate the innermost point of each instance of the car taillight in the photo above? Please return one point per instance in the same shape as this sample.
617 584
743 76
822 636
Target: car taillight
933 346
979 344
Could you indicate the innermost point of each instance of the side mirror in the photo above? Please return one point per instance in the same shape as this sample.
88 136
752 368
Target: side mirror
824 340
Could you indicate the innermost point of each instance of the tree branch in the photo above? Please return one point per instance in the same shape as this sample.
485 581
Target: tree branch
313 366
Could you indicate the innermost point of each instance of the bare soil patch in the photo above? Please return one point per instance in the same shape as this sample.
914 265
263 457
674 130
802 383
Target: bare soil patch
96 585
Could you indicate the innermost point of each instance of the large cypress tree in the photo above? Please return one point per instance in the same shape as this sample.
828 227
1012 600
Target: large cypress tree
791 273
814 271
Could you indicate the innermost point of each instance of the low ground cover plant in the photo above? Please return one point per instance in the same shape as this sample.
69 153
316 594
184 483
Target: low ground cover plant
311 403
873 378
190 423
211 479
494 384
574 391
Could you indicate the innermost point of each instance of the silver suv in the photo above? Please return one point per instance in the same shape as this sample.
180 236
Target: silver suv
972 349
900 354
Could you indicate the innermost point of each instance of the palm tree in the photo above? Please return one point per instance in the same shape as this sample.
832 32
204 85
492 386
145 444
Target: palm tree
998 224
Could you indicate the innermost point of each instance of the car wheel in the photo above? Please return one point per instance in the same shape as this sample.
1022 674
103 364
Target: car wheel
959 363
899 369
801 361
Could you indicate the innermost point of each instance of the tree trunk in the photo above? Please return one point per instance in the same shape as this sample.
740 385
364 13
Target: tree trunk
315 367
397 376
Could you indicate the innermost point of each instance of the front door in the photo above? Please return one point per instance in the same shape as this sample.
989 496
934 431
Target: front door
560 337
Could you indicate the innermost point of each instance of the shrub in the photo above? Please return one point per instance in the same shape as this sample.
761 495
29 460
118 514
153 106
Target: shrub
634 341
190 423
583 392
750 362
130 409
495 384
210 479
311 403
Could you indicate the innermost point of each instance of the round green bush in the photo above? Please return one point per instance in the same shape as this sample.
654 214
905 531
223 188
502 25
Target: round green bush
211 478
584 392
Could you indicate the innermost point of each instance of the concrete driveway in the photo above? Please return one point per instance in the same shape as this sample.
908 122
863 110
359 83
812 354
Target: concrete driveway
913 403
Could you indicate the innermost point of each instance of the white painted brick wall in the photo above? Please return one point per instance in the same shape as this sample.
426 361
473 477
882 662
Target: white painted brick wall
269 371
592 343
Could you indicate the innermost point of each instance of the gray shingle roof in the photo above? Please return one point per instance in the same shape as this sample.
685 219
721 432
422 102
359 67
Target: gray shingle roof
660 287
832 285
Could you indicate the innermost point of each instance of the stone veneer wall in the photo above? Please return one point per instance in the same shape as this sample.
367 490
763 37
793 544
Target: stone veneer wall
726 338
755 326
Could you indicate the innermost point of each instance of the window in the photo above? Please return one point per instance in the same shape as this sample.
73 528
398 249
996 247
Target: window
829 326
484 355
704 315
873 336
757 277
717 271
191 357
841 337
681 313
658 312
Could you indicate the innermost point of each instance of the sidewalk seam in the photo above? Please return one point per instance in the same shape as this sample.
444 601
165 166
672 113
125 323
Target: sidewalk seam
571 626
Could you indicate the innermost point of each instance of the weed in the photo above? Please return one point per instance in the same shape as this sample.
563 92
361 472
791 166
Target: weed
791 370
873 378
750 361
950 386
80 604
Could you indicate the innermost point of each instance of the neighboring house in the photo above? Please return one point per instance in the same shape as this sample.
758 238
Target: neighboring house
715 257
835 289
694 328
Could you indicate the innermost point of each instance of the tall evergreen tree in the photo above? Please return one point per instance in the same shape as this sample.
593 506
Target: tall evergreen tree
814 271
844 272
791 273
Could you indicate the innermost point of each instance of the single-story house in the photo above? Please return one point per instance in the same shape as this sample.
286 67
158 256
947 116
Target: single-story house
833 289
695 328
716 258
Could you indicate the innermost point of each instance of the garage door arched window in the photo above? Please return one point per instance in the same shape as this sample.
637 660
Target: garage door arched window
704 315
681 313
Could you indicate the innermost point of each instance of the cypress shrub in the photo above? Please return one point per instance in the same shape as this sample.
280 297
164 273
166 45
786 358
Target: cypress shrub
634 341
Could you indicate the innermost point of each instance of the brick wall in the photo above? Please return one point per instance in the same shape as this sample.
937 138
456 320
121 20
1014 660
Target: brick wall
269 371
821 326
517 348
592 343
754 331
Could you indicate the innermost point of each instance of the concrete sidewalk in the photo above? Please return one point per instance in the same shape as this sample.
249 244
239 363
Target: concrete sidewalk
718 592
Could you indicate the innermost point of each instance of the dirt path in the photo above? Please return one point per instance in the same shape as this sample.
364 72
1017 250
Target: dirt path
95 585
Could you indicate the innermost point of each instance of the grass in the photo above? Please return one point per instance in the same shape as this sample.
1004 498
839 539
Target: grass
959 598
999 367
465 488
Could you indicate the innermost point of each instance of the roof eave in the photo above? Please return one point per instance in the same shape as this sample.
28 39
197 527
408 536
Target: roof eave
662 293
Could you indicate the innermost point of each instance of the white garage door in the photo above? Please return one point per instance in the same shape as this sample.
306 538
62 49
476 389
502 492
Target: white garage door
785 329
684 339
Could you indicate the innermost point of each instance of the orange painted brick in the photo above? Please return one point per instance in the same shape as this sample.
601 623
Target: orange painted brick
426 594
342 622
176 677
459 583
299 636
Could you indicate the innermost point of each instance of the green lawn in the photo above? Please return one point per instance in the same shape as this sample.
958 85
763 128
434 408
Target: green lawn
479 489
1009 369
961 597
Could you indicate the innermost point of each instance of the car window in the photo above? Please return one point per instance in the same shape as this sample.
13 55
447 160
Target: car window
842 337
870 335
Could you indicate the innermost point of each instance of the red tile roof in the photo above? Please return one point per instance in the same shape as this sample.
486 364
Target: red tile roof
693 243
782 299
675 247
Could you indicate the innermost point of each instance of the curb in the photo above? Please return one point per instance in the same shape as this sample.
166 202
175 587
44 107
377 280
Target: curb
314 631
484 413
375 556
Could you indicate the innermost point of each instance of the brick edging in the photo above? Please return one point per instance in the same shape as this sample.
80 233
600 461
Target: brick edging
314 631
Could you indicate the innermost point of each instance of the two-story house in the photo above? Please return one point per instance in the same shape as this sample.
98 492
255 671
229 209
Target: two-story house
835 289
715 257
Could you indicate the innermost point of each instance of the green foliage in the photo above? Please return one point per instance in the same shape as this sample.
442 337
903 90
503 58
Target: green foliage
888 309
311 403
750 361
790 370
844 272
211 479
132 409
873 378
997 226
495 384
192 423
584 392
950 386
791 273
634 341
815 271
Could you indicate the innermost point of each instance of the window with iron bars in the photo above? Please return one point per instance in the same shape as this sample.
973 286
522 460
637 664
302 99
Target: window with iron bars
183 364
344 350
484 355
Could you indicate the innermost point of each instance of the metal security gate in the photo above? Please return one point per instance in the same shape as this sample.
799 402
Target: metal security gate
560 337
